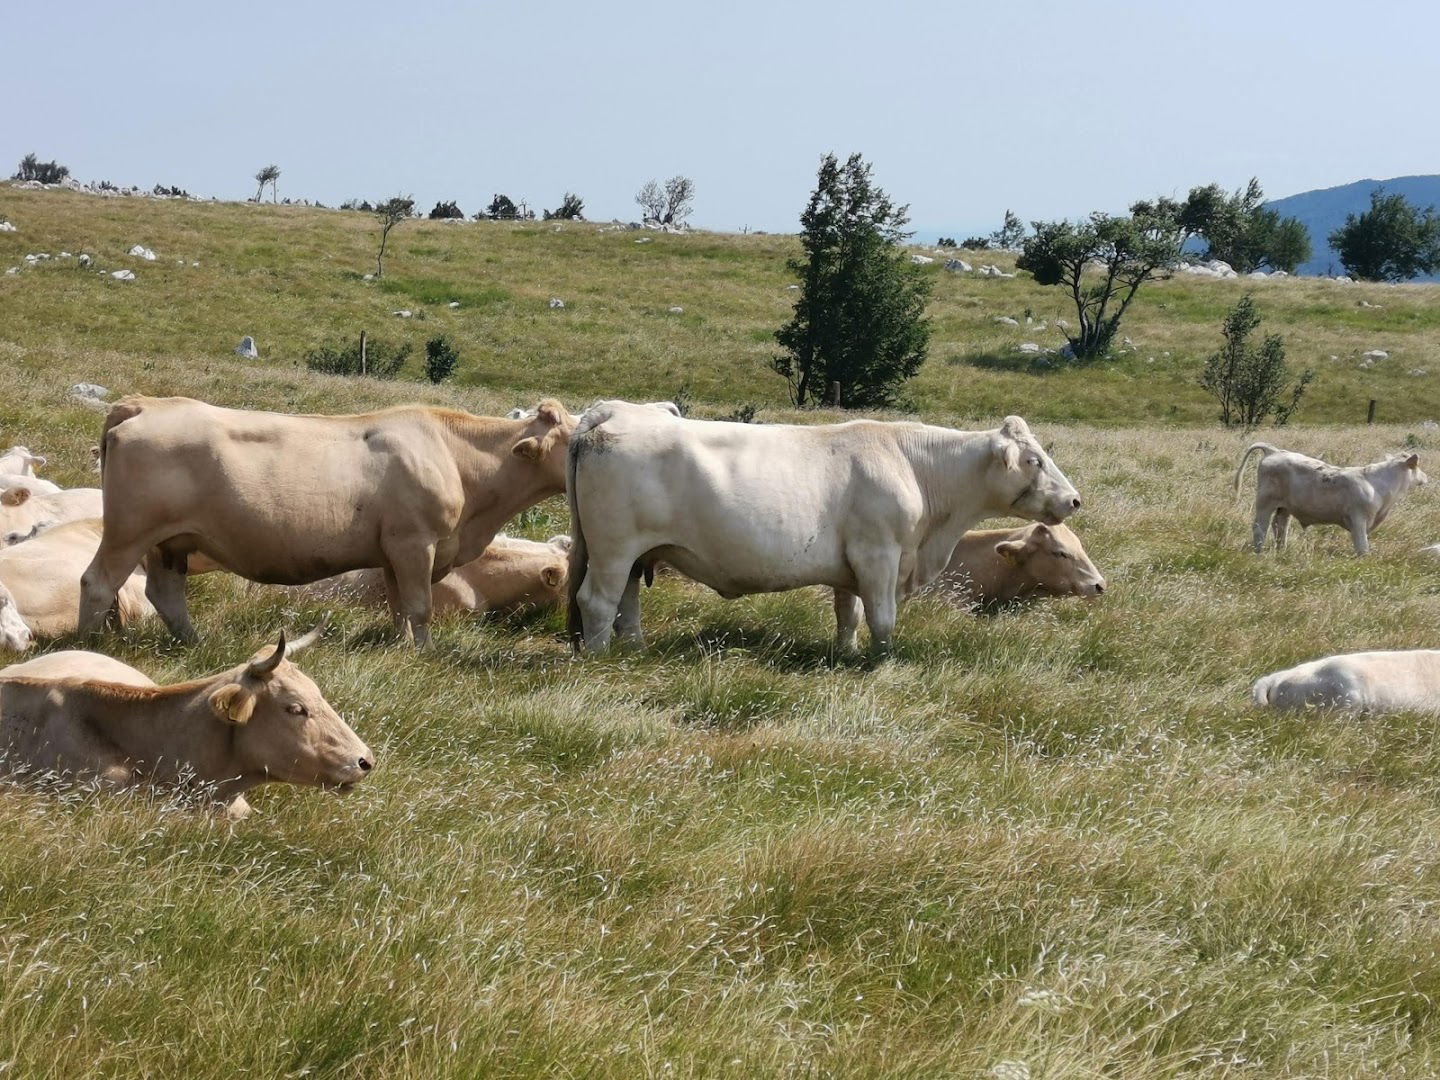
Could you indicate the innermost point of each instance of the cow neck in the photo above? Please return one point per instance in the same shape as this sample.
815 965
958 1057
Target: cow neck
497 482
937 457
172 730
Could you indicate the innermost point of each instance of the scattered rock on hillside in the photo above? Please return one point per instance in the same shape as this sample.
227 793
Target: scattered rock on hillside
957 266
556 302
1029 347
13 270
85 260
1430 424
367 277
644 240
1280 273
1257 275
403 313
1418 371
989 270
1062 324
1005 320
1377 354
247 348
142 253
1377 307
123 275
921 260
453 304
6 226
91 395
677 311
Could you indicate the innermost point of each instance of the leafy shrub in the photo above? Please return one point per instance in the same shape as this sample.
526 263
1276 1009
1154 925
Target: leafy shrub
441 359
358 204
444 210
46 172
381 361
502 208
172 191
945 242
571 208
1248 382
745 414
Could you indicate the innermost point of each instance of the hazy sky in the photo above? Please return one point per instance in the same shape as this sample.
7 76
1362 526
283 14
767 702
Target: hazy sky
965 109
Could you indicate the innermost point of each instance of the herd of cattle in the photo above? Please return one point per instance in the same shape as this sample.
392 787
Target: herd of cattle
407 505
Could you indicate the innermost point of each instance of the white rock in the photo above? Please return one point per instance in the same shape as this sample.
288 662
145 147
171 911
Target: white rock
142 253
1257 275
453 304
368 277
1029 347
1367 363
1377 354
1005 320
1430 424
644 239
1377 307
957 266
404 313
85 260
1419 371
994 271
194 264
5 226
1343 280
1062 324
1280 273
247 348
791 288
921 260
123 275
556 302
89 390
13 270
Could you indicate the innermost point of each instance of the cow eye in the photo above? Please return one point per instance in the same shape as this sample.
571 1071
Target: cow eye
297 710
1062 554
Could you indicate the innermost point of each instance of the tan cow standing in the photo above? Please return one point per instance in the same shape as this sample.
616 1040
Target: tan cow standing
42 576
84 716
997 566
288 500
1313 492
512 575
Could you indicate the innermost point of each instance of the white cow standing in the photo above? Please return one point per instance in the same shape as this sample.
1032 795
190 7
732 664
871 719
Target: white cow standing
1407 679
1360 497
871 509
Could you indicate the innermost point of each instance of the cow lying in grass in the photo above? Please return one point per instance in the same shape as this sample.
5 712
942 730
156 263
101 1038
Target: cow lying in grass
991 567
1398 681
1359 497
83 716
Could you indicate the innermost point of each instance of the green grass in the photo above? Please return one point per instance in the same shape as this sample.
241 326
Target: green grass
1060 835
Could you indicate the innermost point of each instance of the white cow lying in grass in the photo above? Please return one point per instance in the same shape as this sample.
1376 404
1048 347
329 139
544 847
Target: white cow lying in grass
1363 681
19 461
1313 493
997 566
25 514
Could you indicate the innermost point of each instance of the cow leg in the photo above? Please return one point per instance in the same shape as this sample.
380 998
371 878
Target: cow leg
600 596
100 586
1359 534
392 599
1260 526
627 619
1282 528
877 573
165 588
412 565
847 619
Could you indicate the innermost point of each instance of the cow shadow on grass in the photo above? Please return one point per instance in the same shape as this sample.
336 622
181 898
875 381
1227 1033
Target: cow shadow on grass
1011 363
775 650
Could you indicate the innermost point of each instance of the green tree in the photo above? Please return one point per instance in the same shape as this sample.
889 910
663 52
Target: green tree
571 208
391 212
447 210
441 359
1248 382
270 174
1392 241
1011 233
1239 230
859 320
45 172
1102 262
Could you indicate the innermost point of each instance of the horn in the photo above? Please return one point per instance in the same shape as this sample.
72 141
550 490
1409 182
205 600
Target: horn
262 669
310 637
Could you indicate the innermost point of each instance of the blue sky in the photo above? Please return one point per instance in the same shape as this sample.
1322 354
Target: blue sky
964 109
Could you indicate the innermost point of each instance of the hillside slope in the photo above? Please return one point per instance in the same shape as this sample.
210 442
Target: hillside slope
293 277
1324 210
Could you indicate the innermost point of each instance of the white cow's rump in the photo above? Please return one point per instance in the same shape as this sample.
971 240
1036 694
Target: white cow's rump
1290 485
1363 681
871 509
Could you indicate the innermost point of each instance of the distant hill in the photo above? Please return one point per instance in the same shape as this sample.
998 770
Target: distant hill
1323 211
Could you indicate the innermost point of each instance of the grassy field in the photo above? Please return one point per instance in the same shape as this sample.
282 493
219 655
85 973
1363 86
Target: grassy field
1057 842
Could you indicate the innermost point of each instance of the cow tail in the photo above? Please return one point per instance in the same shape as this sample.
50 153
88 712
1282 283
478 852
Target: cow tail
125 409
1263 447
579 559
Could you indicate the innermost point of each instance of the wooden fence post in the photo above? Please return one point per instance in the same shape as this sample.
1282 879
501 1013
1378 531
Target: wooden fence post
1370 412
834 398
363 365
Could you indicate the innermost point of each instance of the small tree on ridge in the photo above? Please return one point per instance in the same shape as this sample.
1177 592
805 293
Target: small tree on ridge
391 212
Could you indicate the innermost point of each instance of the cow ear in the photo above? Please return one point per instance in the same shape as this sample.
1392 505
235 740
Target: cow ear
1413 461
552 576
1010 550
527 448
1040 530
550 411
14 496
1007 452
233 703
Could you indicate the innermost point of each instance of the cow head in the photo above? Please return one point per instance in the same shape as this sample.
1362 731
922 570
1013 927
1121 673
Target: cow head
1052 561
545 435
1026 482
1409 468
20 461
14 634
284 727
